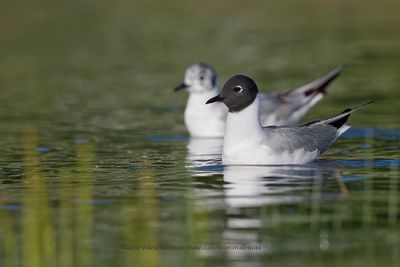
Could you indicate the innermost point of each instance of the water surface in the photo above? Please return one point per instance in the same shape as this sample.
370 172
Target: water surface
96 168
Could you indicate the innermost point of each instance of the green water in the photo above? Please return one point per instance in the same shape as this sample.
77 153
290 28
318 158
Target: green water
96 164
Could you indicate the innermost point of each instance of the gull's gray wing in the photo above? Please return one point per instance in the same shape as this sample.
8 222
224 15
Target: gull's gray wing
316 137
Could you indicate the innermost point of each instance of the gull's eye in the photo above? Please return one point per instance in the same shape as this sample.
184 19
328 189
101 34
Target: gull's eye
201 78
238 89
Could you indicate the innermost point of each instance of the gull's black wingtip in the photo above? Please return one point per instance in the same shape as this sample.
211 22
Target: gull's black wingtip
341 121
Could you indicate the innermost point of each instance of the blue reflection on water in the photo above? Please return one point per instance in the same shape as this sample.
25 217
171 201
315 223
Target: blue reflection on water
167 138
386 134
209 168
11 207
366 163
43 149
354 179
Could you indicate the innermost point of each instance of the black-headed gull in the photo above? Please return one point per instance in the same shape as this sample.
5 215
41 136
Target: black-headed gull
246 142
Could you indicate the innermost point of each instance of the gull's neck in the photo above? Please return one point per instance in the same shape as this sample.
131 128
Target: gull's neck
244 126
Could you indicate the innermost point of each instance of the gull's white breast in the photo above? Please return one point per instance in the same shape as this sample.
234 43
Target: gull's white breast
204 121
246 143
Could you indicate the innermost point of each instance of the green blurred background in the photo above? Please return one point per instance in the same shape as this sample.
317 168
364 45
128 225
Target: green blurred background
99 54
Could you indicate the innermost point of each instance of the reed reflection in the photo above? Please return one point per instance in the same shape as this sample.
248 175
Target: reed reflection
38 233
50 235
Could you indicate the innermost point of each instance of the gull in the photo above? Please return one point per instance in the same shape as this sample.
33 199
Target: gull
247 142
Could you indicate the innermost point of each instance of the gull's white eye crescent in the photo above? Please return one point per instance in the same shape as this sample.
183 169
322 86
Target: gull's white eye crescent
238 89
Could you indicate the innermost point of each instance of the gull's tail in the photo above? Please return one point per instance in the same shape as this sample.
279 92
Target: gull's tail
339 121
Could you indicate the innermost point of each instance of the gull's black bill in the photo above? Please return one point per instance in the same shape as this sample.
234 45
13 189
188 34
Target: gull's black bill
217 98
180 87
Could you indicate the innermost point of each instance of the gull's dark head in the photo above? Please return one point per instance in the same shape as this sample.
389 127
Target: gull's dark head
238 93
199 78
